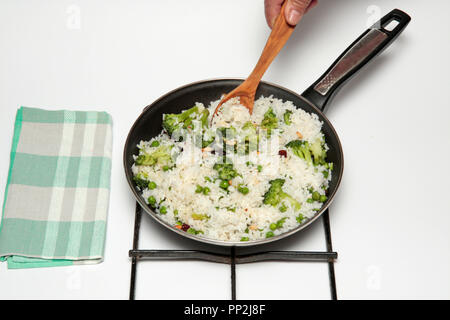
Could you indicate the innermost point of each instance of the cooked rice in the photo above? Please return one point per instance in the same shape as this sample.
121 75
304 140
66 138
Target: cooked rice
234 216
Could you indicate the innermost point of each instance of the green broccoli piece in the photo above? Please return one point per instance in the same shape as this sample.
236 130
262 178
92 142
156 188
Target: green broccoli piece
140 181
249 126
225 170
314 153
160 156
197 216
301 149
300 218
174 121
193 231
287 117
318 152
269 121
204 118
275 195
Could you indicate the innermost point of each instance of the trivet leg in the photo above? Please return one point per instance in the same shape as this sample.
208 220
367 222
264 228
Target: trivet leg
233 273
137 226
331 274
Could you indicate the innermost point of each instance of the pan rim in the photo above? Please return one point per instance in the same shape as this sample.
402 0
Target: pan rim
223 243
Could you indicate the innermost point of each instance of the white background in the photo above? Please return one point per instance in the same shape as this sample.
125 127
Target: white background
390 220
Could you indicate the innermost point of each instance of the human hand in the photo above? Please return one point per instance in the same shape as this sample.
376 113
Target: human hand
295 9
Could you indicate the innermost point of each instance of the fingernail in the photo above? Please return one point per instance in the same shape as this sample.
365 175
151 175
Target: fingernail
293 17
272 22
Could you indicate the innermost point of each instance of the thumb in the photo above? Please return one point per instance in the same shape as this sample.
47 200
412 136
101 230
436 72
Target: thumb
295 9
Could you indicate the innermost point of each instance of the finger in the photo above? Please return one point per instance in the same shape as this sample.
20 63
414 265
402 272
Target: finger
311 5
295 9
272 9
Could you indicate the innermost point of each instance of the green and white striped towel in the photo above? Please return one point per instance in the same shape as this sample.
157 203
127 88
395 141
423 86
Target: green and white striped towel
57 193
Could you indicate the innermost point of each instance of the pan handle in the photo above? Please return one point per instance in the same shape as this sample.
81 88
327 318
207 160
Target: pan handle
371 43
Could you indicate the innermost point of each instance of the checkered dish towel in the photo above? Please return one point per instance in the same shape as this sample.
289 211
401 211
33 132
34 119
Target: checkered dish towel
57 193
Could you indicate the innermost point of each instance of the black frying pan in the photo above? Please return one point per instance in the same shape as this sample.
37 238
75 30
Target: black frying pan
313 100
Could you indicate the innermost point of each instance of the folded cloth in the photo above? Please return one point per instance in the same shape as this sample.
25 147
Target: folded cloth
57 193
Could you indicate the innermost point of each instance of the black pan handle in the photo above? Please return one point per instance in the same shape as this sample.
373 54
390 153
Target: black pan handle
371 43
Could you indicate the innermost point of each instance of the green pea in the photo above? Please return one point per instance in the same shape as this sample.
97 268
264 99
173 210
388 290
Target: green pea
323 198
245 239
243 189
163 210
151 185
206 190
273 226
166 168
310 200
224 184
151 201
315 196
199 189
154 144
269 234
260 168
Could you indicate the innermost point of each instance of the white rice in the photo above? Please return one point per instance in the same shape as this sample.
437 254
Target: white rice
251 218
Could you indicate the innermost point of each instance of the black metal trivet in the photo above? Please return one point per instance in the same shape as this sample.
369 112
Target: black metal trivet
232 259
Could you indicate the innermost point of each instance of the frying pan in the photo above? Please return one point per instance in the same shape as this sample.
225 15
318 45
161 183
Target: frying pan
314 100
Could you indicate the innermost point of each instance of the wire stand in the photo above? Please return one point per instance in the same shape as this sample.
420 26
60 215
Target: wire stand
232 259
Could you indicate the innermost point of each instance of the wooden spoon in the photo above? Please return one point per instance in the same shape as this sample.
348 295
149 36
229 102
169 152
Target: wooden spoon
281 32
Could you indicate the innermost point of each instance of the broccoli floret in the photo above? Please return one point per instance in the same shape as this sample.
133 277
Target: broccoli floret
160 156
275 195
204 118
300 218
312 153
318 152
287 117
270 121
301 149
140 181
174 121
225 170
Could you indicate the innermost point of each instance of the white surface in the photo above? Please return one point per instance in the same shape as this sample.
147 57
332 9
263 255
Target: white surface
390 220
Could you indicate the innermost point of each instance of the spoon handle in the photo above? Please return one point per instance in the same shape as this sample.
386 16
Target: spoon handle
281 32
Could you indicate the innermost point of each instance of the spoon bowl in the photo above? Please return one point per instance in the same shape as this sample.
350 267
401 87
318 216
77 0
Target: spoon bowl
281 32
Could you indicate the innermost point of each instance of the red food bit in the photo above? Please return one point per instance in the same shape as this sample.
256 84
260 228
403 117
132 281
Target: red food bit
185 227
282 153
